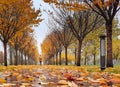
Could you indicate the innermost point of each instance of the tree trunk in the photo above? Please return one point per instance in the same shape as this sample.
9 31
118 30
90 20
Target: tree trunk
79 53
94 61
85 62
21 58
66 57
53 61
5 53
56 58
11 62
75 56
16 57
28 60
60 57
109 43
25 59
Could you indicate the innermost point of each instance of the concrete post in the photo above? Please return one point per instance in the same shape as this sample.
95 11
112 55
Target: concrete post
102 52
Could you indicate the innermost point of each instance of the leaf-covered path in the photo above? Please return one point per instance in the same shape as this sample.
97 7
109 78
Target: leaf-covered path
58 76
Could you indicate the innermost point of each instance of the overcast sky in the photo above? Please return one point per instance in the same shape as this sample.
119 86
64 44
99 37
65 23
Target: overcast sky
41 30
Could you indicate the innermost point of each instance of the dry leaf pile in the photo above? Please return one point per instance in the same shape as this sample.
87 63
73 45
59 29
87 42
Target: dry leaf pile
58 76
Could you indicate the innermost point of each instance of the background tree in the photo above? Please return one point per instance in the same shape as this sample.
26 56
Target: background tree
73 48
56 37
81 24
48 50
65 35
116 50
92 44
16 42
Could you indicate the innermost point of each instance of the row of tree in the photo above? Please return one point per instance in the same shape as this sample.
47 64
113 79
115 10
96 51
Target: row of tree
53 47
23 49
82 17
17 18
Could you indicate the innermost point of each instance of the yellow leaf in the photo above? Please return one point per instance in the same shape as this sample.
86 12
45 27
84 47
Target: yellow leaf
63 82
2 80
19 77
15 74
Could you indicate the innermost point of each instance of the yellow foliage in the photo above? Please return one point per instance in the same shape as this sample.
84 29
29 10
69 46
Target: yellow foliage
71 57
15 17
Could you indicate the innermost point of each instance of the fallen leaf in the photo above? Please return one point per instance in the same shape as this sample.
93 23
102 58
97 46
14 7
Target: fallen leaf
44 83
117 75
115 80
19 77
79 79
15 74
69 77
26 84
2 80
7 85
51 83
72 84
63 82
104 86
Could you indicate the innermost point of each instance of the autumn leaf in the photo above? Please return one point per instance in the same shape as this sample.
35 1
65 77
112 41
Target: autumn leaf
72 84
115 80
62 82
19 77
2 80
80 79
69 76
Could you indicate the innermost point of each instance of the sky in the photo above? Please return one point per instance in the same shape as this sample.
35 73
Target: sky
42 30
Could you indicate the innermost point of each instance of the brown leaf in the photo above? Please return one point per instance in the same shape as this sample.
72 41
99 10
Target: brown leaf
69 77
115 80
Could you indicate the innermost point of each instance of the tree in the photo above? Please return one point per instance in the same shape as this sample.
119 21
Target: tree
49 48
81 24
56 38
29 49
74 47
107 9
16 41
91 44
15 15
65 35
